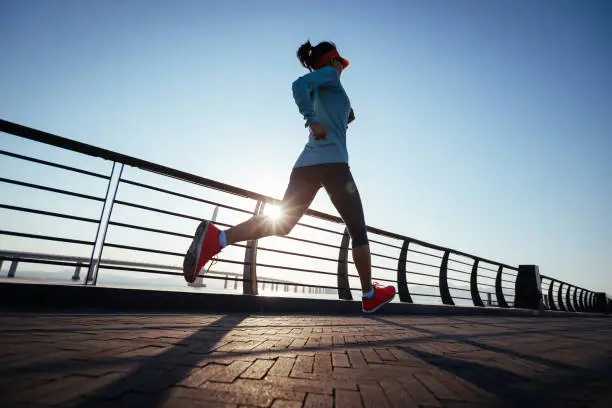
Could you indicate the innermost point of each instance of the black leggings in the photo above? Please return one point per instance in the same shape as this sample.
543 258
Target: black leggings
336 178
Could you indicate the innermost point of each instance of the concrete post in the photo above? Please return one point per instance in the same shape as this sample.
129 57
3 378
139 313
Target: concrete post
528 291
601 303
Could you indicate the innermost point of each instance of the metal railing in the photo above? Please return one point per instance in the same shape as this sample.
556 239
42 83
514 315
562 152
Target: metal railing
123 213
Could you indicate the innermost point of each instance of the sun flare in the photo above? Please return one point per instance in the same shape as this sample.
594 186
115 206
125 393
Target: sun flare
273 211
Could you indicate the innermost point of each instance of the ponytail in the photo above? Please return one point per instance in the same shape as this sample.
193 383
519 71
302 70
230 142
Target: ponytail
304 54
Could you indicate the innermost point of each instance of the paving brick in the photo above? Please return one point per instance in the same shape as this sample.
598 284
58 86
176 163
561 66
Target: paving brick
371 357
356 358
282 367
340 360
232 371
322 363
258 370
396 394
373 396
418 392
348 399
319 401
286 404
201 375
303 364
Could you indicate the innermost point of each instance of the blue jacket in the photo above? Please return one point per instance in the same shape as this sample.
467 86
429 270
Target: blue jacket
320 97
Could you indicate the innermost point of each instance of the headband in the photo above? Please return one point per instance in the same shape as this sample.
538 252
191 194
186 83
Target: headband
322 60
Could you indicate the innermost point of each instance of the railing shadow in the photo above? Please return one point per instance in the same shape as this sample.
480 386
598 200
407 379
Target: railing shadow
150 376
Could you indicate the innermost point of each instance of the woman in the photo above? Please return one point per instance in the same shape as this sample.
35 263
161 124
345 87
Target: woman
322 101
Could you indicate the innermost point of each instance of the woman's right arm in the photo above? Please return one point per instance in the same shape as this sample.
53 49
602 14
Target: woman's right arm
305 85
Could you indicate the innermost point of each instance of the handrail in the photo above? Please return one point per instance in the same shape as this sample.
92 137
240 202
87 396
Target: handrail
90 150
567 297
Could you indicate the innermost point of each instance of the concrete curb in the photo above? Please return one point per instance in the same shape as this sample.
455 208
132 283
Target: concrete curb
19 297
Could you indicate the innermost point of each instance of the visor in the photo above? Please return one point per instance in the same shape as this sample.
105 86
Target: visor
329 55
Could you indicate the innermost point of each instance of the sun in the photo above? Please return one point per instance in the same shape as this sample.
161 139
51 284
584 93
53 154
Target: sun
273 211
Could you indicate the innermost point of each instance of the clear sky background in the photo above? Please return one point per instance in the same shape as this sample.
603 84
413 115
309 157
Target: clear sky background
484 126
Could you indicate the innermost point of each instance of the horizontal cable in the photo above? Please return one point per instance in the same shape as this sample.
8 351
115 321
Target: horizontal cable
159 231
290 268
488 269
54 190
423 264
424 253
458 271
149 250
43 261
457 280
174 193
320 228
312 242
49 213
486 284
385 244
463 298
485 276
385 256
421 274
424 294
144 270
45 237
461 289
384 268
295 284
381 279
162 272
422 284
60 166
279 251
459 262
157 210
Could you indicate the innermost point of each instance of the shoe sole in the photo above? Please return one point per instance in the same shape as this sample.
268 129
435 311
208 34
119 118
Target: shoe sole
379 306
190 263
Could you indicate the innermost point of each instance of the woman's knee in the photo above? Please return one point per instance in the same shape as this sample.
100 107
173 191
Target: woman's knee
285 226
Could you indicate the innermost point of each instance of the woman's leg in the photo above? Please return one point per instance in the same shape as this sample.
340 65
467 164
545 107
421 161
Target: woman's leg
343 193
301 190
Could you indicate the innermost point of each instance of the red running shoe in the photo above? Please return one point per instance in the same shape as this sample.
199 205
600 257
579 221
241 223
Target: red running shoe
204 246
382 296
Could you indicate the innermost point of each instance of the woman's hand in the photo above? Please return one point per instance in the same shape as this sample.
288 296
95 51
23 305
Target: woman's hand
318 130
351 116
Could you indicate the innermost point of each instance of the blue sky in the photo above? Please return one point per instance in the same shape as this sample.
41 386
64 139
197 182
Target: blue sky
481 125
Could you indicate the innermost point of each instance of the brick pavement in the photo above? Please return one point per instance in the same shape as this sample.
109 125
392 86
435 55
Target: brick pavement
178 360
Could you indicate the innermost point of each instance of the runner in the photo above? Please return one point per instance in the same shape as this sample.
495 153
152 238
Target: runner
322 101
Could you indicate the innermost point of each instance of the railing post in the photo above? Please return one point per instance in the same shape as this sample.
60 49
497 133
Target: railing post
77 272
344 289
568 303
499 293
489 299
474 285
527 289
583 300
402 284
551 297
601 303
94 264
575 304
560 297
249 273
443 281
13 269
